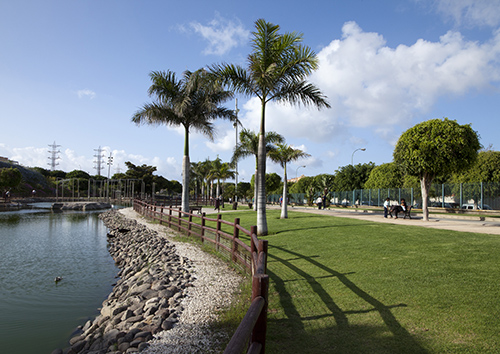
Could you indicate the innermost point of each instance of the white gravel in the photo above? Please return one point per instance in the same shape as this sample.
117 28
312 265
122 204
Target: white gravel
212 290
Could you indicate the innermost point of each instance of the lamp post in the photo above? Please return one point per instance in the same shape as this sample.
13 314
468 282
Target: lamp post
236 110
296 170
352 157
110 162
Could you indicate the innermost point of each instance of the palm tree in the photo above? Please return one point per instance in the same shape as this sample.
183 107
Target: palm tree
249 146
192 102
220 171
278 67
284 154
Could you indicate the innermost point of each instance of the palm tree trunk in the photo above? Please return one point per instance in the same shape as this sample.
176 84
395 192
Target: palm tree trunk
255 187
261 179
284 205
185 173
185 184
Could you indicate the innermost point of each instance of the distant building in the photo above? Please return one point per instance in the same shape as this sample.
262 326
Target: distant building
296 179
6 160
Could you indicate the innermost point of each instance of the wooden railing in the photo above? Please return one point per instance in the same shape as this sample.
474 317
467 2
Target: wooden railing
251 333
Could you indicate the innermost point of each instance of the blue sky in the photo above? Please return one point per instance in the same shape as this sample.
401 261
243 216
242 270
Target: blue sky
75 71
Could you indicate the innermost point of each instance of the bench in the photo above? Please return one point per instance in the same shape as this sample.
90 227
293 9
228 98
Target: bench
193 208
396 209
407 213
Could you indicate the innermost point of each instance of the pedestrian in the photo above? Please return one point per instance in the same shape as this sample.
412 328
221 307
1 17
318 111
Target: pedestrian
387 205
319 201
217 204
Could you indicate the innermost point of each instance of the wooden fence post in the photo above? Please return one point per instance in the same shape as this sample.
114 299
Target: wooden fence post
202 233
161 215
217 232
179 220
170 217
236 234
260 287
190 220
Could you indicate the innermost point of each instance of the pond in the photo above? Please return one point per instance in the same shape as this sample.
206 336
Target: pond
38 314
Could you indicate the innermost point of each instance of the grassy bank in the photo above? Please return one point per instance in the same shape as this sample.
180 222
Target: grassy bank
341 285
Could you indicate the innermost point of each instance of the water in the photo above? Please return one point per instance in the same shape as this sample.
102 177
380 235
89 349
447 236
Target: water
38 315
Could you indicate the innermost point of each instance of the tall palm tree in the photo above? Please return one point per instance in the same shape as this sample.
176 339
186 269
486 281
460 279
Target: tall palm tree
192 102
278 67
196 172
249 146
284 154
221 171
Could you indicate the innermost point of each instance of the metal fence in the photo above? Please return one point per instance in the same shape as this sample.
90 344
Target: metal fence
481 195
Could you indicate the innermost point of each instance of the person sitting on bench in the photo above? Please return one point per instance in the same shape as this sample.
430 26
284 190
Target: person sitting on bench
399 208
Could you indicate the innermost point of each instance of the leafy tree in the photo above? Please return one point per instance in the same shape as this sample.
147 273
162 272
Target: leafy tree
350 177
119 176
284 154
10 178
192 102
249 146
57 174
387 175
436 148
302 185
486 169
273 181
143 172
244 190
78 174
43 171
277 71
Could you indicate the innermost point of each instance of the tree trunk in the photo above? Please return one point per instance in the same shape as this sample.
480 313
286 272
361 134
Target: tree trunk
185 173
255 189
284 204
261 179
425 183
185 184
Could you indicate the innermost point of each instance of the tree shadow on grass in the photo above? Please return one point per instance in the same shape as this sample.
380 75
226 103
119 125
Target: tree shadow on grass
290 332
324 227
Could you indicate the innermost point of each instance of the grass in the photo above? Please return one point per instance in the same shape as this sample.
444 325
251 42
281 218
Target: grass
341 285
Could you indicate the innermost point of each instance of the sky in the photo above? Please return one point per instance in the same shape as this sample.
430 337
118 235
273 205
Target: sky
73 73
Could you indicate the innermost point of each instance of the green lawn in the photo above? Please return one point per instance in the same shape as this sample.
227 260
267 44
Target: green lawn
341 285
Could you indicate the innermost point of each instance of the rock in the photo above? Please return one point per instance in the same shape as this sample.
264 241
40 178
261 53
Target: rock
152 279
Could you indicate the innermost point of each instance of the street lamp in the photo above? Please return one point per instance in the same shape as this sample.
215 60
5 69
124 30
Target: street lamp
352 157
235 125
110 162
296 170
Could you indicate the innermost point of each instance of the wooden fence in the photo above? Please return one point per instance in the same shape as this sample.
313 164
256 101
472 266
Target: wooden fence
251 333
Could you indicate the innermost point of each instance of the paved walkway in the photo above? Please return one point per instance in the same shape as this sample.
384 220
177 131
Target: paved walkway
436 222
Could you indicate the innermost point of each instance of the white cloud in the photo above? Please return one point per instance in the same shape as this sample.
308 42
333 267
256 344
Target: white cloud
471 12
226 143
86 93
370 85
222 35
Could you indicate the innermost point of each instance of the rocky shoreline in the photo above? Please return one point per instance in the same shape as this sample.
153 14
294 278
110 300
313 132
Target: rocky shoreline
147 297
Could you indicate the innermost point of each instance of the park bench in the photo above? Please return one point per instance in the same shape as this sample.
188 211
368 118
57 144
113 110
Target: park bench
193 208
407 213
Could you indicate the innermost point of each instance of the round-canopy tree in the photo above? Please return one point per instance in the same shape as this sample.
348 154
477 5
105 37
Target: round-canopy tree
436 148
